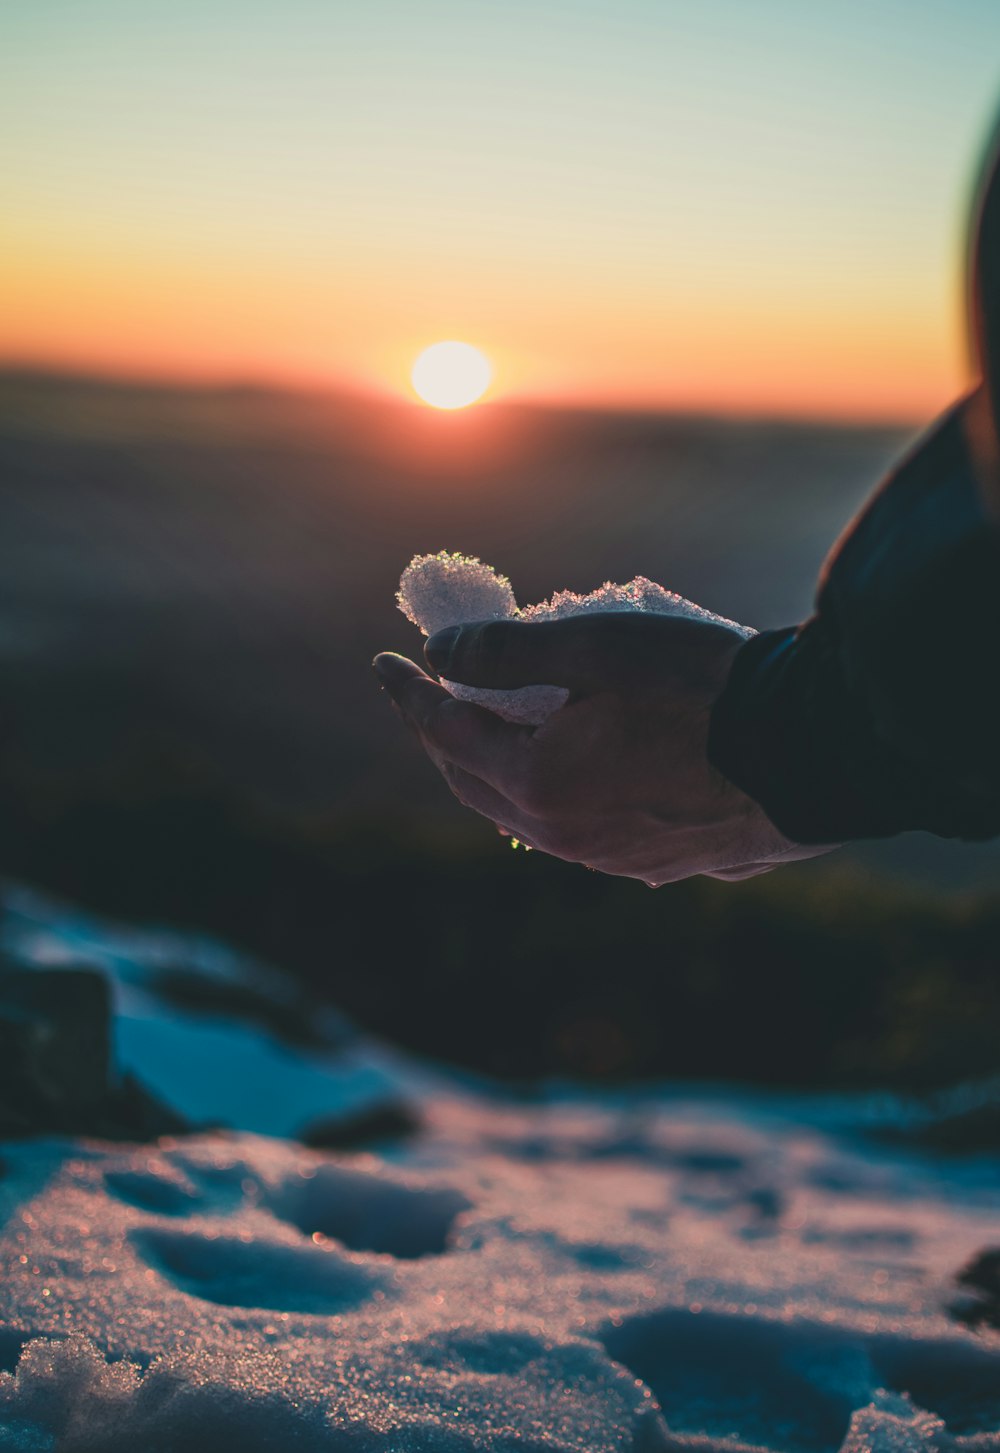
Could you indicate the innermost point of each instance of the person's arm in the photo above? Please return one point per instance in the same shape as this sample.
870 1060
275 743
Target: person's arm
684 750
882 712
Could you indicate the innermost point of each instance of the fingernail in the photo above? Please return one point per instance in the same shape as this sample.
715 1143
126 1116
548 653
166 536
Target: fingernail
385 666
440 648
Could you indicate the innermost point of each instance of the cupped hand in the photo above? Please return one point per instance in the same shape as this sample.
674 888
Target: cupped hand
618 778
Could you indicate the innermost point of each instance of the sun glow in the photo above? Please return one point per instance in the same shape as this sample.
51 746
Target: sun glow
451 375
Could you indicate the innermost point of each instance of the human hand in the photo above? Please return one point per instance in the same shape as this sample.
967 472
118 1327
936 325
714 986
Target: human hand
618 778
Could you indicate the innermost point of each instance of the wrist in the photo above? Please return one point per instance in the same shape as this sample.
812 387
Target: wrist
788 731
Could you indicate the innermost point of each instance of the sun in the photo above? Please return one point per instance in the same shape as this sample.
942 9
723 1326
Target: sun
451 375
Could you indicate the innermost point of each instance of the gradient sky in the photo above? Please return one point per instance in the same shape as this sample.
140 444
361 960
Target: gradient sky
752 205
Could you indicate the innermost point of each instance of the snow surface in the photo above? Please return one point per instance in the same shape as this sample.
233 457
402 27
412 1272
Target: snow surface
445 589
579 1274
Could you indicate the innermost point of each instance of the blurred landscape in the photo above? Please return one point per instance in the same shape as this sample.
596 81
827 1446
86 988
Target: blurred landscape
192 585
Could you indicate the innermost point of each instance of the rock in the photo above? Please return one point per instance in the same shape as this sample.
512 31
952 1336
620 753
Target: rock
55 1038
981 1277
56 1069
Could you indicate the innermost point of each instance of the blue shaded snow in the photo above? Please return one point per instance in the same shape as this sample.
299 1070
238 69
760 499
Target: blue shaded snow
623 1274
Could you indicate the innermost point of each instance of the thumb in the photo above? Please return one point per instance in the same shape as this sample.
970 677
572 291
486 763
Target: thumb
595 652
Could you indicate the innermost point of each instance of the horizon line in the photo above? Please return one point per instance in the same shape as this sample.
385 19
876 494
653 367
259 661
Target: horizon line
171 381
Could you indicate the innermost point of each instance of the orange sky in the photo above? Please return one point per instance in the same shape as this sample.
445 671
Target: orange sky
649 209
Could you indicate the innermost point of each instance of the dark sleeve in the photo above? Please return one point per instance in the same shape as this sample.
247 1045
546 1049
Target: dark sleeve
882 712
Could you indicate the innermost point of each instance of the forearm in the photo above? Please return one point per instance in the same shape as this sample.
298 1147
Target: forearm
882 713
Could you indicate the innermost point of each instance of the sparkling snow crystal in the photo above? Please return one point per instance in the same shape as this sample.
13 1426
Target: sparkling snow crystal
656 1270
452 590
892 1424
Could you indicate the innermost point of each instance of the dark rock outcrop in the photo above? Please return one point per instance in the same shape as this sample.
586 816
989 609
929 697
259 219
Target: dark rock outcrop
57 1073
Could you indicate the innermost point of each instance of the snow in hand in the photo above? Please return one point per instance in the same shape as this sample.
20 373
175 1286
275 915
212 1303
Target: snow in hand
454 590
653 1272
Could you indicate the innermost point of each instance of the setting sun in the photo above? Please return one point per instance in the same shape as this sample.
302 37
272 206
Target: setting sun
451 375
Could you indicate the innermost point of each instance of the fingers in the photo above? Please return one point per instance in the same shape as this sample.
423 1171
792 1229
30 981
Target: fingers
601 651
452 730
474 739
473 792
413 691
737 875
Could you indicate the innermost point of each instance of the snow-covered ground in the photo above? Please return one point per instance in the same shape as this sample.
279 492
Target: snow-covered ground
657 1272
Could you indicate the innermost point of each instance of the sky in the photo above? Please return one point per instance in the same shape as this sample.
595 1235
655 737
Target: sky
750 206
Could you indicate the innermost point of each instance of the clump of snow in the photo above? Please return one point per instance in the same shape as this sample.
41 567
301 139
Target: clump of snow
65 1390
442 590
892 1424
67 1397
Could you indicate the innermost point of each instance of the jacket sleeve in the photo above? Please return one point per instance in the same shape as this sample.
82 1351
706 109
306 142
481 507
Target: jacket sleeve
881 713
